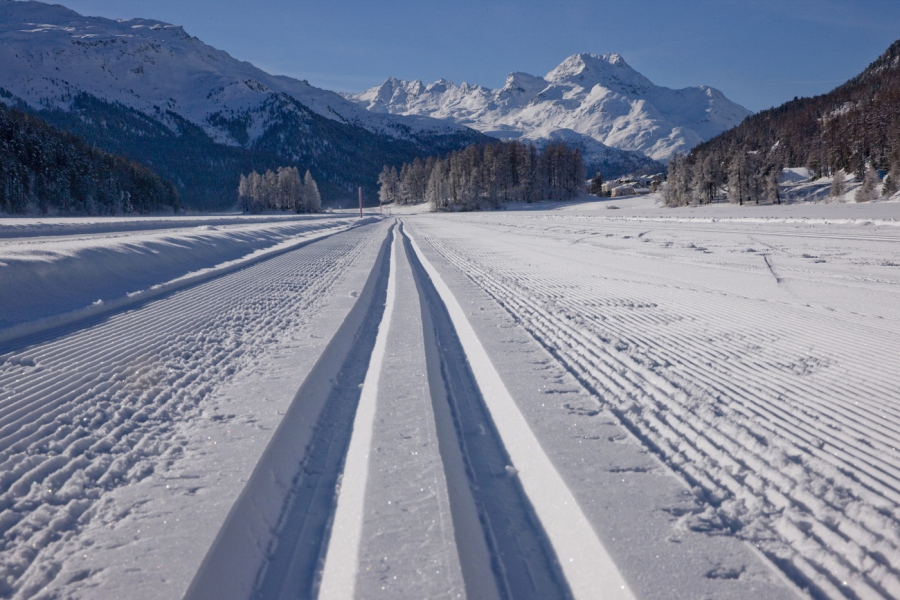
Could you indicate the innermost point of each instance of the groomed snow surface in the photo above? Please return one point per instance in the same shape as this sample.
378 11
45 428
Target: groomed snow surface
550 401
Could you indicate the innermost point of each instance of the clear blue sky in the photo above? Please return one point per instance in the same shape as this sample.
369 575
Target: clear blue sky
759 52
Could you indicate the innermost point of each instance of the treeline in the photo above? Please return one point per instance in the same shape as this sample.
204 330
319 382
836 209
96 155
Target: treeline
45 170
342 155
486 175
854 128
279 190
742 176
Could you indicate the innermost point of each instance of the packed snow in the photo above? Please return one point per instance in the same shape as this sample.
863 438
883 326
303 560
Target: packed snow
597 396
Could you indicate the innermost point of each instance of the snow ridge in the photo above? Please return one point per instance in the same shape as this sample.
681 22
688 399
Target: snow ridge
51 53
600 99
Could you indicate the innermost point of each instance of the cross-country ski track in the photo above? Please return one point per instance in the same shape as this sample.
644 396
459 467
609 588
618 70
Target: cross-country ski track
557 403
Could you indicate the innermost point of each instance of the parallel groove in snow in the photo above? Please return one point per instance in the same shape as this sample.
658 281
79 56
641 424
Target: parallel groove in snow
589 570
342 558
803 464
95 407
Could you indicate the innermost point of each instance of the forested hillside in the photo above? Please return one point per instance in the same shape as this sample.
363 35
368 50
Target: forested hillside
43 169
207 173
852 127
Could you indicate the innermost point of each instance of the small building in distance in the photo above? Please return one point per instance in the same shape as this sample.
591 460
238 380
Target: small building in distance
623 190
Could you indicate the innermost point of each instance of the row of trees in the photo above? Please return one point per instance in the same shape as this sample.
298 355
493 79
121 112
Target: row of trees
746 177
854 129
486 175
743 176
279 190
43 169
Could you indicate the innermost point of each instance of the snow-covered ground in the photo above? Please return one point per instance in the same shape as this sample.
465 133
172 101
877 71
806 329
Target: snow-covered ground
554 400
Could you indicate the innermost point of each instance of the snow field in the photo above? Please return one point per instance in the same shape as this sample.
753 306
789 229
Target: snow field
50 282
701 402
752 358
112 427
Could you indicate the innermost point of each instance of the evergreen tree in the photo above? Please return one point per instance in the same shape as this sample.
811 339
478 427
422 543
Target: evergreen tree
43 169
596 187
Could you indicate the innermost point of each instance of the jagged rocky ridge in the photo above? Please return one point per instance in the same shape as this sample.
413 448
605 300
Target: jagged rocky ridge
597 101
194 114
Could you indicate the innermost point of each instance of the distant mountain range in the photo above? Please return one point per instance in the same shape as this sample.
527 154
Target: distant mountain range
597 101
150 91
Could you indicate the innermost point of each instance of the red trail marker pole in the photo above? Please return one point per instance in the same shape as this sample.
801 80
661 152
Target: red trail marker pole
360 202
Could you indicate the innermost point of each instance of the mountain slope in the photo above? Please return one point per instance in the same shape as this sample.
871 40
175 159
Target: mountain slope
855 125
598 97
43 169
53 56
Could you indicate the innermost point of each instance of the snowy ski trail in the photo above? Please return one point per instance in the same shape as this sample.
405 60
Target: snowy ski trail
115 401
341 561
514 404
588 569
424 510
792 445
407 546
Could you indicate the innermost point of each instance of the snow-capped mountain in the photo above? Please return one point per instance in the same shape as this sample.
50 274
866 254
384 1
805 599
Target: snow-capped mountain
49 53
194 114
597 97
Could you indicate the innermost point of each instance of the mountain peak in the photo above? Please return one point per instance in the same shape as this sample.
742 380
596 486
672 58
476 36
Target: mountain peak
609 70
599 98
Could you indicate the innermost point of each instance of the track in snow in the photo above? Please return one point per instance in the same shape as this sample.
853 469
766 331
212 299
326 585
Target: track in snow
523 562
791 445
103 404
503 550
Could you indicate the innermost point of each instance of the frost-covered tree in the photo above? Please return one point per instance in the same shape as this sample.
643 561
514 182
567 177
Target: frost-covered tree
868 191
706 180
489 175
388 182
279 190
677 189
892 180
290 188
838 184
312 200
